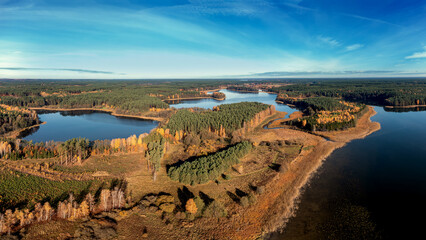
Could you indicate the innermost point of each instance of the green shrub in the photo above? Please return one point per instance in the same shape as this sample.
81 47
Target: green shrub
167 207
216 210
244 201
260 189
200 204
251 198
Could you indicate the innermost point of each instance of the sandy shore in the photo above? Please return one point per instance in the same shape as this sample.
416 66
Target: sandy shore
278 203
280 200
304 167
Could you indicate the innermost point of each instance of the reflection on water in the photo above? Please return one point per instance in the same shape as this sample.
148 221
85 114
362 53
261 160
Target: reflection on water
410 109
235 97
373 187
61 126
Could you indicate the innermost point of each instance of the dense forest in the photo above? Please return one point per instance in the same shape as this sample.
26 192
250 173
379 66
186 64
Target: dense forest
326 113
204 169
380 92
242 88
75 150
13 118
225 118
131 97
316 104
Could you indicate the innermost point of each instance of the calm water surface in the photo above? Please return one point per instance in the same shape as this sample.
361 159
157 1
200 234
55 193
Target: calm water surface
235 97
372 188
61 126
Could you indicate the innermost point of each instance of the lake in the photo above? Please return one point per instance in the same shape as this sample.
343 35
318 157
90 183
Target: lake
372 187
61 126
235 97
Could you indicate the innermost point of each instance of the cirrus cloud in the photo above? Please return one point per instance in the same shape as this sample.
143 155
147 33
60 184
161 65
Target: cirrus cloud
354 47
417 54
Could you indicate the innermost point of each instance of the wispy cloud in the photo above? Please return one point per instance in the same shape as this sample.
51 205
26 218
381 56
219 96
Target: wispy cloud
220 7
330 41
315 73
417 54
354 47
370 19
58 69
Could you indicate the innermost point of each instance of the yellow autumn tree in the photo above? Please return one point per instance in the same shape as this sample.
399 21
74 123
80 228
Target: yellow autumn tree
191 207
84 209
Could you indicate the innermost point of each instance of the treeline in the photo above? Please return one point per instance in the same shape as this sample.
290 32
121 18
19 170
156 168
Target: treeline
224 118
311 124
330 121
131 97
69 209
14 118
381 92
16 149
205 169
129 101
75 150
316 104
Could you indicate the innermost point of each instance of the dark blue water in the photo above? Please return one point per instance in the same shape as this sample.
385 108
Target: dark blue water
61 126
372 188
235 97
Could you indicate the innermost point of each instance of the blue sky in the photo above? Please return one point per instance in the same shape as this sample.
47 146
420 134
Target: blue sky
211 38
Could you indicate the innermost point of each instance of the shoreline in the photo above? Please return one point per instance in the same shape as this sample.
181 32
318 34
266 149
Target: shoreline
308 165
110 111
16 133
193 98
408 106
282 190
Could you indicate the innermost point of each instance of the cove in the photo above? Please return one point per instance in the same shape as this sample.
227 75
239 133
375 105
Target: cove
61 126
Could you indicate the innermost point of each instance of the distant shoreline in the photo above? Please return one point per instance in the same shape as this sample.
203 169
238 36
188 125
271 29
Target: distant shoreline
409 106
194 98
111 111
